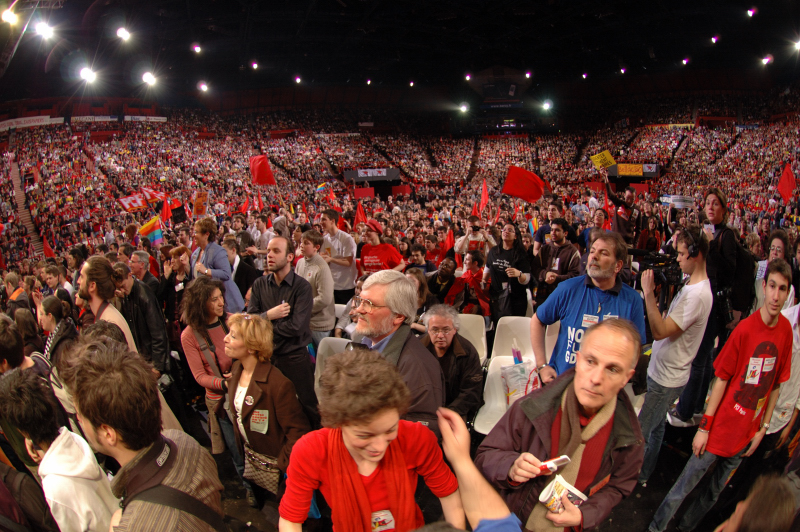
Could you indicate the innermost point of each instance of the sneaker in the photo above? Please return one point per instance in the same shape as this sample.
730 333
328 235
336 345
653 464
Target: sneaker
251 499
677 421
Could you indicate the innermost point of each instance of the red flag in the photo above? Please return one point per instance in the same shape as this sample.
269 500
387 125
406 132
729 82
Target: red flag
341 224
521 183
787 183
304 208
449 241
497 217
260 203
484 196
166 210
260 171
245 206
516 210
361 216
475 211
607 224
48 251
2 261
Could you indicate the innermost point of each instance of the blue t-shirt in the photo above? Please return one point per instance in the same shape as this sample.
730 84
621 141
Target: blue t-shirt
510 523
578 306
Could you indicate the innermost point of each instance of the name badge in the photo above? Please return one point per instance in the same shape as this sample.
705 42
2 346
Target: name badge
259 421
382 520
769 364
179 287
754 370
589 320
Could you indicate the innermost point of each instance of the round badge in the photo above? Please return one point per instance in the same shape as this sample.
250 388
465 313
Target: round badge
248 400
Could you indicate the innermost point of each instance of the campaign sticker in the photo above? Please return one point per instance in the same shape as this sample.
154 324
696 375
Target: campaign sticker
259 421
754 371
589 320
769 363
382 520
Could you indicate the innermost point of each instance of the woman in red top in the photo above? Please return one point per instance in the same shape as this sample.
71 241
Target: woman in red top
366 460
377 256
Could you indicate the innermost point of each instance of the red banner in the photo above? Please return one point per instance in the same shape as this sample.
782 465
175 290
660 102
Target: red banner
365 192
401 190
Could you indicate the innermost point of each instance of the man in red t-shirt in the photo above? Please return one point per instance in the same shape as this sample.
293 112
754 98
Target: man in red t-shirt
376 256
750 369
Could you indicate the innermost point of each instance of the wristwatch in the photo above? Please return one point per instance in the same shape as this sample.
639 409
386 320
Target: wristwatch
765 425
542 366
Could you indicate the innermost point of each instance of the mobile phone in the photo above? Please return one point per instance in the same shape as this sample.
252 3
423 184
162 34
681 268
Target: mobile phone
708 227
475 229
553 464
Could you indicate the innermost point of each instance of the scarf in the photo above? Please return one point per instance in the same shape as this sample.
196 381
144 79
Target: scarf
572 442
50 339
350 507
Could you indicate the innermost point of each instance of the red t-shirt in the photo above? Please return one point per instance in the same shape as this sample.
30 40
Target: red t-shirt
755 359
308 470
380 257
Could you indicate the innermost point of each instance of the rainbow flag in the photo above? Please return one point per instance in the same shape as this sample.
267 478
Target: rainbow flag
152 230
321 187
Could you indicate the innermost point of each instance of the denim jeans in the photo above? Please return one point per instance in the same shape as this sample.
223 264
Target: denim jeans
694 394
652 419
317 336
227 429
692 474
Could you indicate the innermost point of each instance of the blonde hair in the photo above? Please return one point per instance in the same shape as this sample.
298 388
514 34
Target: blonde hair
255 332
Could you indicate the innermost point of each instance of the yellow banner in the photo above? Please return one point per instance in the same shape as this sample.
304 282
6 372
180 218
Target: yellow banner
629 169
603 160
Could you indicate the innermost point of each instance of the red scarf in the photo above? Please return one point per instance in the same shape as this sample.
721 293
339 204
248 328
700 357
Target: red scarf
473 280
350 507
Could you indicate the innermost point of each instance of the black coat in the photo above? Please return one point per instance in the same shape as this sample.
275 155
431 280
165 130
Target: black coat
67 335
143 314
245 276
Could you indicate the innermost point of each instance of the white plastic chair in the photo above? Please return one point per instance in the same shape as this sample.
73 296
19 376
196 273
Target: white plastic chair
339 310
327 347
550 337
529 310
473 328
508 328
494 396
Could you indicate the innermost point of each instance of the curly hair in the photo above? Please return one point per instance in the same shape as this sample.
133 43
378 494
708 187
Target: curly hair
359 384
255 332
194 305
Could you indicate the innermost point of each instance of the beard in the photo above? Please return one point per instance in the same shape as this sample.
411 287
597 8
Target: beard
83 293
597 273
372 328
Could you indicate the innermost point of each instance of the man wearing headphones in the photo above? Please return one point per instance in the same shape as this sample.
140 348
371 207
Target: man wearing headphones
677 338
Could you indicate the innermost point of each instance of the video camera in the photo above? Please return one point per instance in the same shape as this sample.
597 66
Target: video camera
666 270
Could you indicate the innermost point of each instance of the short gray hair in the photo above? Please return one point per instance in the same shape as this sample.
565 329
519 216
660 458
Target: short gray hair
443 311
401 294
143 256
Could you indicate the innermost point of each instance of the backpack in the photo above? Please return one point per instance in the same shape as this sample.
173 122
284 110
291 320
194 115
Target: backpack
743 295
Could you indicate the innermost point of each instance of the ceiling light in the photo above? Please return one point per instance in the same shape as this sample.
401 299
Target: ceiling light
527 74
369 81
203 87
9 16
196 48
547 105
468 77
797 45
297 79
149 78
622 70
584 75
686 61
411 84
767 60
752 11
44 30
123 34
254 65
88 74
714 39
464 107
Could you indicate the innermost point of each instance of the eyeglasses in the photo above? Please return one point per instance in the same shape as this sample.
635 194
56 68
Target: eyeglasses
369 306
436 332
775 248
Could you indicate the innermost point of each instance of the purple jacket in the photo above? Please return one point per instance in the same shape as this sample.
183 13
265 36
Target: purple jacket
525 427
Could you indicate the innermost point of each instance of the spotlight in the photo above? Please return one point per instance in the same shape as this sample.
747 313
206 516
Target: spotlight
527 74
123 34
9 16
203 87
468 77
369 82
149 78
197 48
88 74
767 60
797 45
44 30
584 75
464 107
411 84
622 70
752 11
714 39
297 79
547 105
686 61
254 65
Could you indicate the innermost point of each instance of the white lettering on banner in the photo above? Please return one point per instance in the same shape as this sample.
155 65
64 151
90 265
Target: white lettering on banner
129 118
133 203
372 172
105 118
30 121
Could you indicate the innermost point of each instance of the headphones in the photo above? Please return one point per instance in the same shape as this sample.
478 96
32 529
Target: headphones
691 246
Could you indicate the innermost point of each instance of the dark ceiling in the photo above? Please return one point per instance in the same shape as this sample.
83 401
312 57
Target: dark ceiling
389 42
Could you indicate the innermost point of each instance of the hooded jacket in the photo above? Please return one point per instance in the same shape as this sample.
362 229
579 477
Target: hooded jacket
76 489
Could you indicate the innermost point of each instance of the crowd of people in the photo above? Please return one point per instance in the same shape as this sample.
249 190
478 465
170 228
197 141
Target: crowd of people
111 344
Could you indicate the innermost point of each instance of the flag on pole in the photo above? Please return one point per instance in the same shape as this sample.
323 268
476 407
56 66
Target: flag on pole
521 183
166 210
48 251
787 183
260 203
260 171
245 206
152 230
475 211
484 196
361 216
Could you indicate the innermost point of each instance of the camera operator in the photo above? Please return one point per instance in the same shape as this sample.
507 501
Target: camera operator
721 267
476 238
677 338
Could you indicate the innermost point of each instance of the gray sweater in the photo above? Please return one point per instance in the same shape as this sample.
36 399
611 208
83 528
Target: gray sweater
318 274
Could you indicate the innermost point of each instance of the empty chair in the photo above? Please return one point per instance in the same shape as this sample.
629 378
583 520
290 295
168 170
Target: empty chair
339 310
494 396
508 328
327 347
473 328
